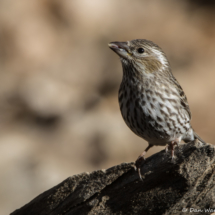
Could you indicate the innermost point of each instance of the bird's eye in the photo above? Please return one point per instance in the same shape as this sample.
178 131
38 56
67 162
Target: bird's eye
140 50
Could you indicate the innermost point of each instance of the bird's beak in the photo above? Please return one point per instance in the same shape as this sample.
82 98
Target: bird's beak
121 48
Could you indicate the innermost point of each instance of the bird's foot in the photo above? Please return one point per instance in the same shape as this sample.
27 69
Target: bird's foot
138 163
171 146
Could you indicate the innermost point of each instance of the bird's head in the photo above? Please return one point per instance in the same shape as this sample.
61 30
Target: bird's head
142 54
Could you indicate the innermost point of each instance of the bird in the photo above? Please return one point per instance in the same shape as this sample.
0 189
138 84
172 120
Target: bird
151 100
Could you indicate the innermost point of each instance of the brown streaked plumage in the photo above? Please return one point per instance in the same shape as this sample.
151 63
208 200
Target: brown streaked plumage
151 100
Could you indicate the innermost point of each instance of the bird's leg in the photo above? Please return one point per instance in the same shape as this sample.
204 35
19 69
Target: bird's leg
140 159
171 146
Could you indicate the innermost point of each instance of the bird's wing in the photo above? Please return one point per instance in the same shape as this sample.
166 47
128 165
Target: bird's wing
183 98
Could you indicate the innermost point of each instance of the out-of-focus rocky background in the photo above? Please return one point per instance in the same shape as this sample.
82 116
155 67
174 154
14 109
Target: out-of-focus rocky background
59 113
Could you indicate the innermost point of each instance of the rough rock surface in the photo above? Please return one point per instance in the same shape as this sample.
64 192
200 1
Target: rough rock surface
169 187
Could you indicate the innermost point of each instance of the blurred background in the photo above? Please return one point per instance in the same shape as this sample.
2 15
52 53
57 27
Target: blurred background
59 113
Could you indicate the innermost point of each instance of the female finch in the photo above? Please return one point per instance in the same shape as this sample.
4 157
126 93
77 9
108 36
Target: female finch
152 102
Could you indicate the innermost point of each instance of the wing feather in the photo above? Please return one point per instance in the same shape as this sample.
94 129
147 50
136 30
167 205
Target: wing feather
183 98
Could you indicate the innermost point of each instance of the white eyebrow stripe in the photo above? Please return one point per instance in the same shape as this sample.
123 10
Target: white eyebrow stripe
159 55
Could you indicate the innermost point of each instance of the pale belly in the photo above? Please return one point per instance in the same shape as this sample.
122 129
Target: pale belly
156 121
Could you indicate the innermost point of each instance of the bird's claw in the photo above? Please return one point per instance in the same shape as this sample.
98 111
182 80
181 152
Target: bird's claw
139 160
139 173
138 166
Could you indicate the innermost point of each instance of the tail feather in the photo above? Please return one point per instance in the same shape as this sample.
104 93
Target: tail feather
198 137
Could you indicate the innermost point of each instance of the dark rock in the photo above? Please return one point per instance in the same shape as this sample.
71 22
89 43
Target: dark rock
169 187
